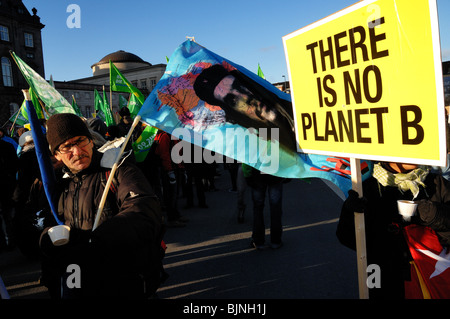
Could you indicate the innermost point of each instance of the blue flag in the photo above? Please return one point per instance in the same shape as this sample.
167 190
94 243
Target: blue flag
45 164
221 106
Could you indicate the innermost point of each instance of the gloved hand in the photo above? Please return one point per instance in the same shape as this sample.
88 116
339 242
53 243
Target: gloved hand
354 203
172 177
76 247
46 245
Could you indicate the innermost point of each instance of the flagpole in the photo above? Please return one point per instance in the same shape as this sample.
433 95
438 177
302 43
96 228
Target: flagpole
110 88
18 112
113 171
5 123
114 115
110 100
95 110
110 94
355 165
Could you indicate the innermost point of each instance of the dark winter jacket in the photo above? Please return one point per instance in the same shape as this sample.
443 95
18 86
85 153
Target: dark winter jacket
28 171
82 194
254 177
163 150
8 170
385 242
123 247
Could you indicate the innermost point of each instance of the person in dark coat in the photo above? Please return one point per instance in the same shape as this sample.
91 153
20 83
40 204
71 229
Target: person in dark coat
172 177
121 257
260 184
28 173
195 171
28 168
8 170
125 124
385 242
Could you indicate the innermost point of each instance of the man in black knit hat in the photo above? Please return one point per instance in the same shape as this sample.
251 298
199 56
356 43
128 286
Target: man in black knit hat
121 257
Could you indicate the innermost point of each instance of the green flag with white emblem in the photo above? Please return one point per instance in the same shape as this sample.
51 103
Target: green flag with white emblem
119 83
54 101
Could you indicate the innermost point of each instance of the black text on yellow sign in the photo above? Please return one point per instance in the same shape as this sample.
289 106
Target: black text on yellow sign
353 88
356 89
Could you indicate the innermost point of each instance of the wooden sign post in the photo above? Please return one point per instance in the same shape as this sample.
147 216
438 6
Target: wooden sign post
348 76
360 231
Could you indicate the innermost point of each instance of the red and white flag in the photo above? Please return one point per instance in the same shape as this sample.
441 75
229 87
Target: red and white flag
430 269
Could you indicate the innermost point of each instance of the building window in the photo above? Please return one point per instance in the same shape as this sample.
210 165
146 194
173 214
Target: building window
30 55
143 84
29 40
13 108
87 112
152 83
7 72
4 34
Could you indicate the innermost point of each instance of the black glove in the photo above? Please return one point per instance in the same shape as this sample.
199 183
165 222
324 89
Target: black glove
345 231
46 245
354 203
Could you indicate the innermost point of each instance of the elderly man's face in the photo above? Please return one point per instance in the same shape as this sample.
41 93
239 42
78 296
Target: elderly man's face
76 153
230 91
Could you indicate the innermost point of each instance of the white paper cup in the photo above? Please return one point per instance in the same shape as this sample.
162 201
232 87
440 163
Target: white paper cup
59 234
407 208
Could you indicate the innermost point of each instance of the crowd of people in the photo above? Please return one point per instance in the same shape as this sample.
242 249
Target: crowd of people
145 201
144 197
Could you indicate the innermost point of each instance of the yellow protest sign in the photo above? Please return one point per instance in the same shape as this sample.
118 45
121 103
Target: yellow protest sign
366 82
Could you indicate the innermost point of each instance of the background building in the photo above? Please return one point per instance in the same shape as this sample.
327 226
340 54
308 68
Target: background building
19 32
141 74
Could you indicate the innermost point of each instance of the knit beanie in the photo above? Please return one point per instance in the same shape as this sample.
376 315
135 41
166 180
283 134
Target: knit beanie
64 126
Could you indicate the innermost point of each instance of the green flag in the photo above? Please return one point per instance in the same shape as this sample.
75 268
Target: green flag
107 111
98 104
17 118
122 101
142 145
119 83
23 111
134 105
20 118
75 107
54 101
260 72
37 105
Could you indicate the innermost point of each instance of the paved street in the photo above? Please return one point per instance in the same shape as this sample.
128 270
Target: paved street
211 258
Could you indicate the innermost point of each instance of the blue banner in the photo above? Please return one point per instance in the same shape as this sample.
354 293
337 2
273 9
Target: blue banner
43 157
207 100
